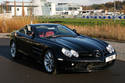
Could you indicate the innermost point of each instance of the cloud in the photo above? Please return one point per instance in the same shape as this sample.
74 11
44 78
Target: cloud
82 2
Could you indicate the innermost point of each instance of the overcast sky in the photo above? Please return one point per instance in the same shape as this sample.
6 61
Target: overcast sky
83 2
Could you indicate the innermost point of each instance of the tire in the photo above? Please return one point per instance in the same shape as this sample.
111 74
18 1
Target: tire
13 50
49 63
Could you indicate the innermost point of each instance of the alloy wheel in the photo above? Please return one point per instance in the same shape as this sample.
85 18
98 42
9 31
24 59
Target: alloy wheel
13 50
49 62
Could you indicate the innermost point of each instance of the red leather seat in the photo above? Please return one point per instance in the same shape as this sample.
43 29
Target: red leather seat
49 33
42 35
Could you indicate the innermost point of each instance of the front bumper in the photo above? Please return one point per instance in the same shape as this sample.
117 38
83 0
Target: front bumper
84 65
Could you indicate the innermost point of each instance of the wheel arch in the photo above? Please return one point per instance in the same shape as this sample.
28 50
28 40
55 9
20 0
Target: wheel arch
52 50
12 40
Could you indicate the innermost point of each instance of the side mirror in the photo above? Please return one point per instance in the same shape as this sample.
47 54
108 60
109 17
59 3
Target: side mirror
29 33
74 30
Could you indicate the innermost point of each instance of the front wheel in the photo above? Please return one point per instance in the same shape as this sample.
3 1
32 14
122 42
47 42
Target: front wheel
49 62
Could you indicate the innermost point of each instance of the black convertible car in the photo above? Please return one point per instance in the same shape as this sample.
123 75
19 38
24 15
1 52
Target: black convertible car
59 47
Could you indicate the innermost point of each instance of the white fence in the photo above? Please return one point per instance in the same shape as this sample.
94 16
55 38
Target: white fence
6 15
104 17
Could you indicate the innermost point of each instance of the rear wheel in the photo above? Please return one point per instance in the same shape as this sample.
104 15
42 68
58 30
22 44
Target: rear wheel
49 63
13 50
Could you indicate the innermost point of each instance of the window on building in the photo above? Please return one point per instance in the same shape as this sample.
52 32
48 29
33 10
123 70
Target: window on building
18 9
66 13
70 8
9 9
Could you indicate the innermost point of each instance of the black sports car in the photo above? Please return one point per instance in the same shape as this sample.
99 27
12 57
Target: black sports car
59 47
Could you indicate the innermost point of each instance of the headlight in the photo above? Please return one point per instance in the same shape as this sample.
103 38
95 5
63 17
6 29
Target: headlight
74 53
110 49
69 53
66 52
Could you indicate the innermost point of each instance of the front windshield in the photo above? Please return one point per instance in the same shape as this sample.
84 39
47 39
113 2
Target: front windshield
54 31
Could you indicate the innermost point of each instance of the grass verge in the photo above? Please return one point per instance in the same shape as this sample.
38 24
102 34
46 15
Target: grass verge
99 28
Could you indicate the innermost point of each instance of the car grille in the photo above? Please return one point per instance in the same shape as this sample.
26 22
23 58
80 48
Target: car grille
83 55
91 56
86 56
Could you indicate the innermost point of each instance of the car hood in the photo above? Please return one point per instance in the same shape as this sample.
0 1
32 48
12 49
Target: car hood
81 43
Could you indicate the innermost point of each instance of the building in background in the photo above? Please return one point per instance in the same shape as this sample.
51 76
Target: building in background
68 9
99 12
44 8
38 8
16 8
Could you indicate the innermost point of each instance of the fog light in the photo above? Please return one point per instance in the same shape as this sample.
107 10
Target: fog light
73 64
60 59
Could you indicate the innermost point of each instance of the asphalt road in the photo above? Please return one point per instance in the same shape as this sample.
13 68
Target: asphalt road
27 71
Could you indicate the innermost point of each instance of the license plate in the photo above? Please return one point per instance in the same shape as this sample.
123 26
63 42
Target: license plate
110 58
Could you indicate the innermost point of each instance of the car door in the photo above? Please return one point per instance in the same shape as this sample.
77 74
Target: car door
24 41
28 40
37 45
37 48
20 40
31 46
